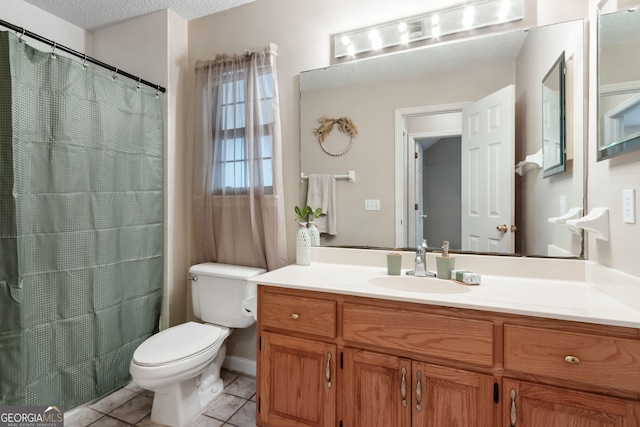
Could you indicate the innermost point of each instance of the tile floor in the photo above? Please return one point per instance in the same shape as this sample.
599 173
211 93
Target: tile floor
131 406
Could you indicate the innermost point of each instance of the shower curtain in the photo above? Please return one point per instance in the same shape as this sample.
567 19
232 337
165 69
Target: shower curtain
81 226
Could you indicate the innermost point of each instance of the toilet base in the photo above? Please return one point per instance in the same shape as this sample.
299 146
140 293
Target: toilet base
179 403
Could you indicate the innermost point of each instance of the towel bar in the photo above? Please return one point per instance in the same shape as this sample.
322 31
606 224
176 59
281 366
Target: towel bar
350 176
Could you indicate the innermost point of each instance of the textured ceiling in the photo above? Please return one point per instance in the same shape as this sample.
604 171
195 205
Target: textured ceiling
95 14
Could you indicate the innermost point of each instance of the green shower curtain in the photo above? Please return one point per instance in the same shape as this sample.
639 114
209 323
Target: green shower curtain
81 226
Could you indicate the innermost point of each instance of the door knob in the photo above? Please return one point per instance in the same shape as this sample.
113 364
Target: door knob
502 228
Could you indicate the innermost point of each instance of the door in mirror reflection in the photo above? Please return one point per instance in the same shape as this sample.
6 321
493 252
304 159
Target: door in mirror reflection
488 130
464 163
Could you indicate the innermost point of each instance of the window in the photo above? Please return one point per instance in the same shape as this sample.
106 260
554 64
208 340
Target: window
243 155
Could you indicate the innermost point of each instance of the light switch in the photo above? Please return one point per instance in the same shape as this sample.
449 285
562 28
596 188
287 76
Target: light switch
629 206
372 205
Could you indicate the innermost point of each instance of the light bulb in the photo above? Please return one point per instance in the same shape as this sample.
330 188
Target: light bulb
374 34
435 19
468 16
402 27
404 38
504 10
345 40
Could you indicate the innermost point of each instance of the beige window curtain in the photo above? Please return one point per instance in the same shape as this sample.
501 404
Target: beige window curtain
238 206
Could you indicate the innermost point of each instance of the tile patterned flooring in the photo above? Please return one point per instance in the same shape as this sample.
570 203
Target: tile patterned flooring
131 406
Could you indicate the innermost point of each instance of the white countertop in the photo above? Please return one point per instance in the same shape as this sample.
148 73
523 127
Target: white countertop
556 299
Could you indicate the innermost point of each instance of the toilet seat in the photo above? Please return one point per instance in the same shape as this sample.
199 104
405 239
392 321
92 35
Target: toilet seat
178 343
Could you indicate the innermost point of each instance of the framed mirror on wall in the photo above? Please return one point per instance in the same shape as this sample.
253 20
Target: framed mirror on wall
618 82
554 160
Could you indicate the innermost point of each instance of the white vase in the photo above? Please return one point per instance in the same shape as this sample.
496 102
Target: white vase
315 233
303 245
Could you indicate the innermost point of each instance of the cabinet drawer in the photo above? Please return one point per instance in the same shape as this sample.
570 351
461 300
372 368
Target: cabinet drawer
584 358
446 337
299 314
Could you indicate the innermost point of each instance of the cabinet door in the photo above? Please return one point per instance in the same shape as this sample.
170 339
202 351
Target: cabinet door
533 405
297 382
452 398
377 390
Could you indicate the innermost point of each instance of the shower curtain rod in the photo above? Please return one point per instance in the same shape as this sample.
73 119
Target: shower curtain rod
22 32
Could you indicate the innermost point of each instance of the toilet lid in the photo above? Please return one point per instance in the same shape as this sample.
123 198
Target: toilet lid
178 342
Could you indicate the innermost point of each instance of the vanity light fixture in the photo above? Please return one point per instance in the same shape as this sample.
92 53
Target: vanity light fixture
433 25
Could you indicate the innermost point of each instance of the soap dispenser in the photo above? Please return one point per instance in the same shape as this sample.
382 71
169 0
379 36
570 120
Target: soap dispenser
445 263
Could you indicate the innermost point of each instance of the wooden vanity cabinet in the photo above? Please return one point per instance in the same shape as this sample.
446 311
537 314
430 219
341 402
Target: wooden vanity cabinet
331 360
532 405
384 390
590 361
296 376
297 384
338 360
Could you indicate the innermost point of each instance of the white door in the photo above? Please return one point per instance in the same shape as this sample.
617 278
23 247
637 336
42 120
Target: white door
488 133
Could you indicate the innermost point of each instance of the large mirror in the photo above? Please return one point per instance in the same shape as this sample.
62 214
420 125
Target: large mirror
619 82
417 173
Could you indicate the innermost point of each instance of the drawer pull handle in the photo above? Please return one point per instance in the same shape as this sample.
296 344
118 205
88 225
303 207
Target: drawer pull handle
403 387
572 359
419 391
327 371
294 316
514 416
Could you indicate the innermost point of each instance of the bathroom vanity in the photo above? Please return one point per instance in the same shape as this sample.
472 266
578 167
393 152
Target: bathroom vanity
342 345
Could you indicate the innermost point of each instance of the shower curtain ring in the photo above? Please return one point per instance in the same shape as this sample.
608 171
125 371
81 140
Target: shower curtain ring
114 75
158 92
139 84
84 61
21 35
53 50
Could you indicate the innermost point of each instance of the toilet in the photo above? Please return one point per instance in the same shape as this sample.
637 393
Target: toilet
182 364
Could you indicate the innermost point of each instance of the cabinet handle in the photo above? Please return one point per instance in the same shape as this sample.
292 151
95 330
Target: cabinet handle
403 387
572 359
514 416
294 316
419 391
327 371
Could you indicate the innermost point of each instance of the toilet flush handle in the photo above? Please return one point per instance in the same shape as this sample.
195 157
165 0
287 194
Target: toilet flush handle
192 277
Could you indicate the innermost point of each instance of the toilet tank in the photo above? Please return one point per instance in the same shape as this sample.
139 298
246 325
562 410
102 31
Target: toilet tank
217 293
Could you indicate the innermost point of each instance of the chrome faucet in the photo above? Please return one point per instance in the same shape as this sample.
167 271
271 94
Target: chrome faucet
421 262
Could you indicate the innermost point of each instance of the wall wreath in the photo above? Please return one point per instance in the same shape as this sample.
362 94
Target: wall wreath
345 125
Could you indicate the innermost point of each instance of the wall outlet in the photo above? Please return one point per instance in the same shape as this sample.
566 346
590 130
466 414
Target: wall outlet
629 206
372 205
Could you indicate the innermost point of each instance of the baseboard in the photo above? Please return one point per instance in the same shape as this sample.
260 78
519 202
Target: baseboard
240 364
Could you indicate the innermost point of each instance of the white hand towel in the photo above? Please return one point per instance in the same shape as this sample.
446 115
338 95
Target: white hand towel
321 193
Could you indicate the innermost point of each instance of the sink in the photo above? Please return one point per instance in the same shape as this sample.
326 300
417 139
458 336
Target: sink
427 285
